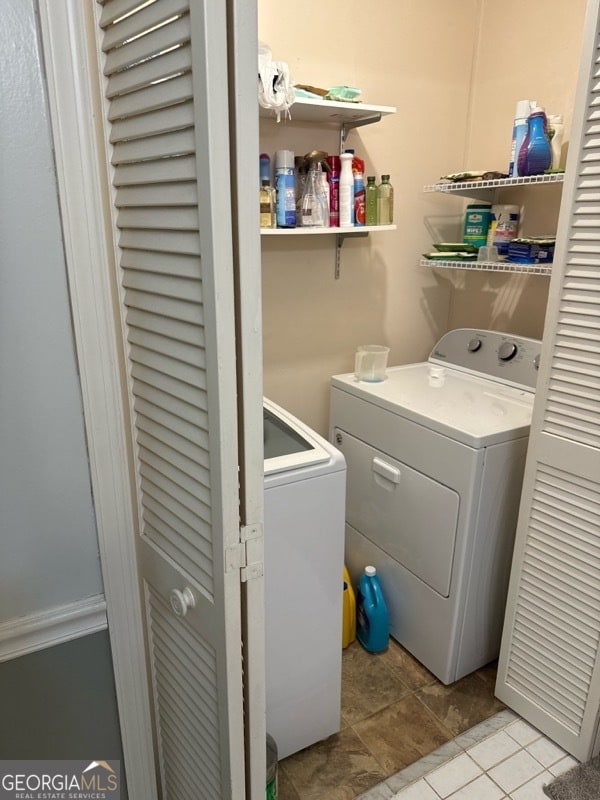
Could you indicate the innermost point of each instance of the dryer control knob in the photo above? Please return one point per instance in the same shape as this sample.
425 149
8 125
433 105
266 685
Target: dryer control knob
474 345
507 350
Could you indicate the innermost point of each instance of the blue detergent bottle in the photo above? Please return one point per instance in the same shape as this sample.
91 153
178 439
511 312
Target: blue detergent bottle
535 154
372 621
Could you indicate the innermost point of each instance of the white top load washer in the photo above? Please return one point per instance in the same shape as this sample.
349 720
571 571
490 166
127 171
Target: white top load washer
435 457
305 486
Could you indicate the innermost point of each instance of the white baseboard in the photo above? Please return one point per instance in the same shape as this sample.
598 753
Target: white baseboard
24 635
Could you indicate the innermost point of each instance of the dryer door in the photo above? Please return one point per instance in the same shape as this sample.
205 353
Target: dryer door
404 512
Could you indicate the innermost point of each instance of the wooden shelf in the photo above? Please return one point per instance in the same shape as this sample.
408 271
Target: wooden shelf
332 112
349 231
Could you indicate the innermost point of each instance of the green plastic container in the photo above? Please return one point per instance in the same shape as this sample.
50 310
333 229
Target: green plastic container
271 768
477 222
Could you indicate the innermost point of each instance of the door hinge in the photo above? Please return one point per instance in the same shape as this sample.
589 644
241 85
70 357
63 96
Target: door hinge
247 554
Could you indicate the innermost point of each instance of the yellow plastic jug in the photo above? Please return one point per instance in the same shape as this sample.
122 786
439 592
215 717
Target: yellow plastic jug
349 611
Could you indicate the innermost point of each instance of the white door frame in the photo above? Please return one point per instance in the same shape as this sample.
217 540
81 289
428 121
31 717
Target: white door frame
66 37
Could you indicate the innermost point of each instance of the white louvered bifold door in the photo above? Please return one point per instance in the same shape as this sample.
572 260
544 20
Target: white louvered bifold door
166 68
549 669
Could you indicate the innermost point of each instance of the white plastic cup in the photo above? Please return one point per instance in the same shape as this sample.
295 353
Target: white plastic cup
370 362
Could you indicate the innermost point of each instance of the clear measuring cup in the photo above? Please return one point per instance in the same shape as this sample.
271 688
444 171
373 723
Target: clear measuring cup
370 362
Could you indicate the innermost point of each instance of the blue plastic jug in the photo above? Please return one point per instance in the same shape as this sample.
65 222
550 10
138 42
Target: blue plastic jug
535 154
372 621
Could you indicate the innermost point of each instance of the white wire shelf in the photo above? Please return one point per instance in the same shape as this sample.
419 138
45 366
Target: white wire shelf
468 187
489 266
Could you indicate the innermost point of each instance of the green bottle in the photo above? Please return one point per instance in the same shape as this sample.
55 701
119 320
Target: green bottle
371 201
385 201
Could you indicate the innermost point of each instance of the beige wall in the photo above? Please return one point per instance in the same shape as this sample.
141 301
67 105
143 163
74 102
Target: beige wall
454 72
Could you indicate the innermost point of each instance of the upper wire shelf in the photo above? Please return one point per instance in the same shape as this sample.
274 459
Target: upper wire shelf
467 187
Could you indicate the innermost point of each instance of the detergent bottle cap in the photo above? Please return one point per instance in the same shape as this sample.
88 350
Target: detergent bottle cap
370 571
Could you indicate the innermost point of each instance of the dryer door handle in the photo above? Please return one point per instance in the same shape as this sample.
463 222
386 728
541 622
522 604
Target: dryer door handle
385 470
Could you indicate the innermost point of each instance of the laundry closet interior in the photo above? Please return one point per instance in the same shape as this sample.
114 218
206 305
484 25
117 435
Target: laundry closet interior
453 72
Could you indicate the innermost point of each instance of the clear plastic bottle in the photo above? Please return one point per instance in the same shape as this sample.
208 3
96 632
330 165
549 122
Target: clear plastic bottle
371 201
314 212
385 201
346 191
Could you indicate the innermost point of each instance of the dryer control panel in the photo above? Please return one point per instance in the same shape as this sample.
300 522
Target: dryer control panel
500 356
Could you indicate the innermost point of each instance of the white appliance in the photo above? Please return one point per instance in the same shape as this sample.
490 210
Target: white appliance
305 484
435 456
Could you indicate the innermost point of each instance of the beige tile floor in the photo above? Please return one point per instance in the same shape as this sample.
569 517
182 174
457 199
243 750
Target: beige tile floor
394 712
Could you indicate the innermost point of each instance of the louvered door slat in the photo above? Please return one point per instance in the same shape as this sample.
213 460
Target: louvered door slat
152 122
157 69
148 17
173 329
173 219
182 168
149 46
152 147
161 241
151 98
164 194
167 64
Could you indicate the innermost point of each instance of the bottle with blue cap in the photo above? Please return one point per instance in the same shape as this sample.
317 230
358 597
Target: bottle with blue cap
372 620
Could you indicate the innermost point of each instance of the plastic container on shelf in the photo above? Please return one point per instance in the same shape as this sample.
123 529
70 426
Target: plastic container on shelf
372 619
535 154
285 200
266 193
371 201
333 178
506 226
346 189
359 199
555 133
519 131
314 209
477 222
385 201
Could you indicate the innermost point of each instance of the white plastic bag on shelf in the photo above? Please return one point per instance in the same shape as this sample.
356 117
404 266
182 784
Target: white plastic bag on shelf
275 90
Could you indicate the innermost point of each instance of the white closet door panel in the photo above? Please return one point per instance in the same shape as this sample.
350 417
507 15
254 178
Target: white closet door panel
549 669
166 64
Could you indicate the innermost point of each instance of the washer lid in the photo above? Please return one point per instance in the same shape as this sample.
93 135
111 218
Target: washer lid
470 409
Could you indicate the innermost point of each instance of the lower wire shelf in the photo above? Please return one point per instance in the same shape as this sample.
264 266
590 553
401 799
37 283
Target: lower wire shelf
489 266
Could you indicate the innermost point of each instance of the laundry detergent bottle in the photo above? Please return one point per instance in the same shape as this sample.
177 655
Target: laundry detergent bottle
535 155
372 620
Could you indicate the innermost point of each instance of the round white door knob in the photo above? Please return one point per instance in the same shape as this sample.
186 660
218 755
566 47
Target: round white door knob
181 601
